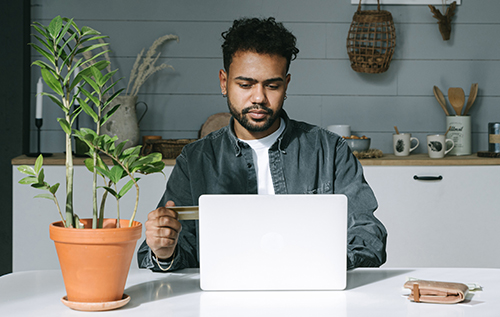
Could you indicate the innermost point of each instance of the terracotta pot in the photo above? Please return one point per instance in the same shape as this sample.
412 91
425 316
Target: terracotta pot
95 262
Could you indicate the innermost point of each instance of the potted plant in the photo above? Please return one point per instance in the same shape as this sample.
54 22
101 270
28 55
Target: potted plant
87 276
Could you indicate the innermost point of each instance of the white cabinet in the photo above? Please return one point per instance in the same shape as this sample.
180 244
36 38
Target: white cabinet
451 222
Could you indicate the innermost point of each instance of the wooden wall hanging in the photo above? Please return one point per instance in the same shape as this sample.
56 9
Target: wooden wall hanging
371 40
444 21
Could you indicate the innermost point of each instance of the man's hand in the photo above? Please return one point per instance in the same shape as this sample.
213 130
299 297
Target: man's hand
162 231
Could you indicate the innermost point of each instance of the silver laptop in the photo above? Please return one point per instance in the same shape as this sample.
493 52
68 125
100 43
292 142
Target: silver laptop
273 242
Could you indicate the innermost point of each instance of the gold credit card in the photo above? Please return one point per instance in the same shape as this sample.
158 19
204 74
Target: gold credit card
186 212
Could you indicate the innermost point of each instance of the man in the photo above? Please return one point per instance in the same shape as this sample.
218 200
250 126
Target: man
261 151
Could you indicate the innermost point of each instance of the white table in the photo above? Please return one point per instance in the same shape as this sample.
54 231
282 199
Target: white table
370 292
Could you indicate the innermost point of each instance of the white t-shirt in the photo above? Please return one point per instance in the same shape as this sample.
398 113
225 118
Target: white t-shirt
260 150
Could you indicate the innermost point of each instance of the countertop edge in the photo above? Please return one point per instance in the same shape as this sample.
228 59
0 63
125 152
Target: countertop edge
386 160
60 159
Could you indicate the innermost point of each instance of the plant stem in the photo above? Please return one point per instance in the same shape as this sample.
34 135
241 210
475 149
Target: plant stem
103 203
117 209
133 180
94 158
69 179
59 210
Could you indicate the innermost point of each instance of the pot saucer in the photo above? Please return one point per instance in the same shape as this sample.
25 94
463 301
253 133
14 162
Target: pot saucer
98 306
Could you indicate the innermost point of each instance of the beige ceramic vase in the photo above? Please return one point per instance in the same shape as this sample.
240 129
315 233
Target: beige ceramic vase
123 123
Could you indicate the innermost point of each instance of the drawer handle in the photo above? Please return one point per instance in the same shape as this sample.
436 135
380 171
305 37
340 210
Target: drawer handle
428 178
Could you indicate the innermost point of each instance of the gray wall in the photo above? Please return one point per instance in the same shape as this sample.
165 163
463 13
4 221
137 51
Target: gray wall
324 90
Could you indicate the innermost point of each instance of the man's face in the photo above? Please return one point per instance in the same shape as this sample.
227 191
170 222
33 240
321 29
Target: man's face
255 86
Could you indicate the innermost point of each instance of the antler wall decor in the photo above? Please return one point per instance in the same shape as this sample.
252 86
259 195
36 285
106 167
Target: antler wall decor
444 21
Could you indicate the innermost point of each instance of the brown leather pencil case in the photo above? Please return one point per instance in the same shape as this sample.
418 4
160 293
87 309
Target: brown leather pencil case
436 292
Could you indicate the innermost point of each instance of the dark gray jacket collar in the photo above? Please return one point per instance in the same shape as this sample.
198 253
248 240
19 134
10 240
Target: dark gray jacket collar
281 143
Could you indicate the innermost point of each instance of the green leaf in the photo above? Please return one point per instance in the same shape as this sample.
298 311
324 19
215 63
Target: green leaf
64 31
54 188
56 100
45 54
89 31
54 27
28 180
126 187
104 171
26 169
116 174
41 186
42 64
89 163
89 96
106 77
52 82
96 56
119 148
67 78
64 125
38 163
93 38
44 43
88 110
108 115
41 177
105 92
75 114
92 83
62 53
132 151
46 196
111 191
40 28
112 97
90 48
87 72
75 27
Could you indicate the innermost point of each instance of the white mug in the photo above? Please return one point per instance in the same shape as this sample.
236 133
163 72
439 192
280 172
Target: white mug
340 129
402 144
437 145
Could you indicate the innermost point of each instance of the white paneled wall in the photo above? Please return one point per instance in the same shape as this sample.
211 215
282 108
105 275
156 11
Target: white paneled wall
324 90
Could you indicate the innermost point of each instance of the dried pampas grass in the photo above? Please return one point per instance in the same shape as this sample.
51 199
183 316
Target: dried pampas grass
144 67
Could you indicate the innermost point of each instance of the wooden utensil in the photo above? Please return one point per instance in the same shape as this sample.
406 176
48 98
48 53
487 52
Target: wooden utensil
396 129
440 98
457 99
472 97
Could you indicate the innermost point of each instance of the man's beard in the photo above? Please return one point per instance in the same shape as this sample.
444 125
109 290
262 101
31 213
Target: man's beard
247 124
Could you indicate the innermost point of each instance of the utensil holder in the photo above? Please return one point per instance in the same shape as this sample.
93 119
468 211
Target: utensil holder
460 132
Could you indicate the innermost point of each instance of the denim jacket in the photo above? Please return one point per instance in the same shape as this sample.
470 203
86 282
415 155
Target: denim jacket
305 159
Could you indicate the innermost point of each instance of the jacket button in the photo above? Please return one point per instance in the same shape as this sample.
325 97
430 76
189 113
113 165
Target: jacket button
249 165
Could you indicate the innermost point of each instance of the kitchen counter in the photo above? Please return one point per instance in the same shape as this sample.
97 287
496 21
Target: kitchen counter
387 160
60 159
424 160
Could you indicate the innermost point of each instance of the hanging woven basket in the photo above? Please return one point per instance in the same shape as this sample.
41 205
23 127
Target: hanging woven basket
371 40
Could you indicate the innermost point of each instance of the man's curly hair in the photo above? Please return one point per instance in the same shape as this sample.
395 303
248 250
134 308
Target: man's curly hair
263 36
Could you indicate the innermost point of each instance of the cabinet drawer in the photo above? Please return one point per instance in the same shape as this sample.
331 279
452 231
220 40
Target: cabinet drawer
439 215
